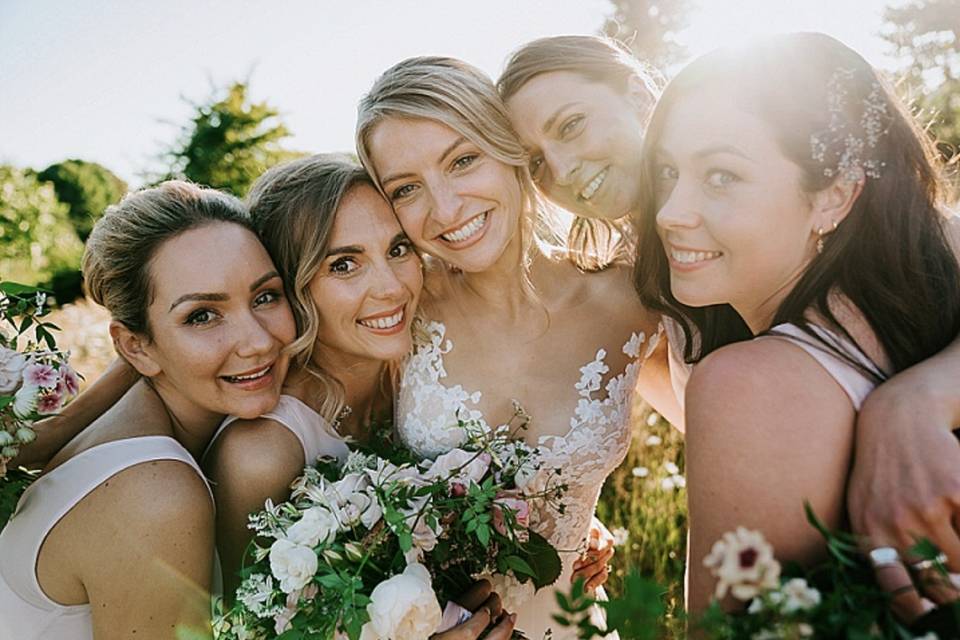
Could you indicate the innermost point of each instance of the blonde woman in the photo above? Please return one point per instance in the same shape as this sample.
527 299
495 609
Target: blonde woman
505 322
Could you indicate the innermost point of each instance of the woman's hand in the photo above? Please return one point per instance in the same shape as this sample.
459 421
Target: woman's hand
593 567
487 609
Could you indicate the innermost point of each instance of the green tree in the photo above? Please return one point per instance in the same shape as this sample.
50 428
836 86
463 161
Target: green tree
649 28
87 188
36 237
925 38
229 142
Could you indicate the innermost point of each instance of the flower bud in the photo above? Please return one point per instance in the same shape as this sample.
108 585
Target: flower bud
26 435
9 452
332 556
354 551
6 439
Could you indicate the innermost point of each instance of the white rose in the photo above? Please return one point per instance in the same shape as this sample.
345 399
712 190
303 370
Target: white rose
317 525
403 607
11 368
292 564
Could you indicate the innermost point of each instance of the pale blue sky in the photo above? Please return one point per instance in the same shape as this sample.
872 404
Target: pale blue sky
102 79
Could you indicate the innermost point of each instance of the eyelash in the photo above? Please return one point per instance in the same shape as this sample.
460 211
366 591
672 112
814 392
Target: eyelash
343 262
402 191
403 244
194 318
570 125
726 176
464 161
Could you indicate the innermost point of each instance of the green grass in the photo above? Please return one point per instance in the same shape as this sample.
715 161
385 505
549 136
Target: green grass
654 515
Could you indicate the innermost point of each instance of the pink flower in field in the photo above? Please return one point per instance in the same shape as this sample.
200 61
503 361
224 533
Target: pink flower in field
70 381
40 375
521 515
49 402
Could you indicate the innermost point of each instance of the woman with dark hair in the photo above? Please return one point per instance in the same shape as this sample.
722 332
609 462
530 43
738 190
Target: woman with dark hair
812 210
580 105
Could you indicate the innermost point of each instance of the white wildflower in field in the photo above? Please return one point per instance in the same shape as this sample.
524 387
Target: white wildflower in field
654 441
640 472
620 536
671 468
653 418
743 563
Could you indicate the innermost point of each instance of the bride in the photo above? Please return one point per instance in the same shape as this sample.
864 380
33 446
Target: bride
502 320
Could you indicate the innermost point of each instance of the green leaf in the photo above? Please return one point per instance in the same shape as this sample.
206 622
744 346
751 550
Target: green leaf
543 559
520 566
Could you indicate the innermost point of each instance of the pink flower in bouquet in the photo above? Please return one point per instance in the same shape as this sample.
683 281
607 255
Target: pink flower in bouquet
49 402
460 467
40 375
521 514
11 369
69 381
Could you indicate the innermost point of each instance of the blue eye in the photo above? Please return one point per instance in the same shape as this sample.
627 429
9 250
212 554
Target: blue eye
719 178
402 191
570 125
464 161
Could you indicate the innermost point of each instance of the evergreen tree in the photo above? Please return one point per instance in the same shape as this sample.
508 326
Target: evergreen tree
87 188
649 28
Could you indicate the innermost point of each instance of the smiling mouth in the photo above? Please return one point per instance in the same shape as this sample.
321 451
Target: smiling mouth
693 257
467 230
384 323
256 375
588 191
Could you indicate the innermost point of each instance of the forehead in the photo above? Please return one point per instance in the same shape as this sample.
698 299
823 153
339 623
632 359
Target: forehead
540 97
217 257
705 117
396 142
363 218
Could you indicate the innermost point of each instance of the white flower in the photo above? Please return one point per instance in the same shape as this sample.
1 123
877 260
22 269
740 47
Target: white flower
652 418
671 468
25 401
640 472
513 593
255 594
474 467
654 440
403 607
292 564
799 596
620 536
743 564
11 369
315 526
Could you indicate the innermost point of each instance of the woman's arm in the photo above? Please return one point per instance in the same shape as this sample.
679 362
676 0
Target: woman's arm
148 575
251 461
767 430
54 432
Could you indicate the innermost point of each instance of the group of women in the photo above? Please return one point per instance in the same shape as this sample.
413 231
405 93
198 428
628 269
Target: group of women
753 251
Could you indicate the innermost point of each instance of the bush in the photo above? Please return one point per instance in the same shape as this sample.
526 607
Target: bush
87 188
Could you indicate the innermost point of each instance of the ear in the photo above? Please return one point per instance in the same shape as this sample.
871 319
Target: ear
639 96
832 204
132 347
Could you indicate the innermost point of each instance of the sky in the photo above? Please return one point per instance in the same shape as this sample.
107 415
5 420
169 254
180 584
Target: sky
106 80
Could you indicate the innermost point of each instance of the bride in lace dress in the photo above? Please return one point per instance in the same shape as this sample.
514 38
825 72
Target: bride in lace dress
503 321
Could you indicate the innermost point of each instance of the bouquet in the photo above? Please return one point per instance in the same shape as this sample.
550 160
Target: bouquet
372 548
35 381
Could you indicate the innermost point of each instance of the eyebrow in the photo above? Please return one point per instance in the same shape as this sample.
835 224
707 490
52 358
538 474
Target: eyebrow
353 249
456 143
220 297
549 123
722 148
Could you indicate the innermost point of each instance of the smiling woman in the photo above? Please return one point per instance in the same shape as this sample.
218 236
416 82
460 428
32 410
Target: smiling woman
116 537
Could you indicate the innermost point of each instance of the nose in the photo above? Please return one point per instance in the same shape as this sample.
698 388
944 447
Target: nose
447 202
679 211
564 165
253 338
386 284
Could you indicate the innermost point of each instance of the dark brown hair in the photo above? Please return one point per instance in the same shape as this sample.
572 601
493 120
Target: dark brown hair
890 256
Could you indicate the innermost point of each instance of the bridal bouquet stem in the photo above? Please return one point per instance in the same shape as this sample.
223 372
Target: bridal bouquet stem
375 547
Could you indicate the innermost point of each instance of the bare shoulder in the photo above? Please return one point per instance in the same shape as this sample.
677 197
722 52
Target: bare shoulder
256 450
762 382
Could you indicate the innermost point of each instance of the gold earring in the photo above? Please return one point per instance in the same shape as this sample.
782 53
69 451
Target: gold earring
819 240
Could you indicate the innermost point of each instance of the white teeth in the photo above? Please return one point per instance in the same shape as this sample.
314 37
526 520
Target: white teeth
384 323
466 230
690 257
594 184
252 376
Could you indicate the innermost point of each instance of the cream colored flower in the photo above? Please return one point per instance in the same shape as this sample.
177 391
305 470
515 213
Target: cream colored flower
11 369
292 564
743 563
25 401
315 526
798 596
459 467
403 607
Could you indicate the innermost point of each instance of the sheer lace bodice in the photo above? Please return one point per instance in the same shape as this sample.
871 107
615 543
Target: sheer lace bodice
595 443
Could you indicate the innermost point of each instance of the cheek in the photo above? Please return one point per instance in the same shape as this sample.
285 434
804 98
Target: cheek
412 218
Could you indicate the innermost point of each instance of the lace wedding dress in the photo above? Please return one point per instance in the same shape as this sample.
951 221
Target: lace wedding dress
597 441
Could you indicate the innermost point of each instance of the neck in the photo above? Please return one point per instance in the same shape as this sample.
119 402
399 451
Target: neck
503 285
191 425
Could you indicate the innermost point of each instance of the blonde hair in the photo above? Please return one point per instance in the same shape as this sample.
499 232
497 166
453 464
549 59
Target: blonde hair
460 96
118 253
592 243
294 206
